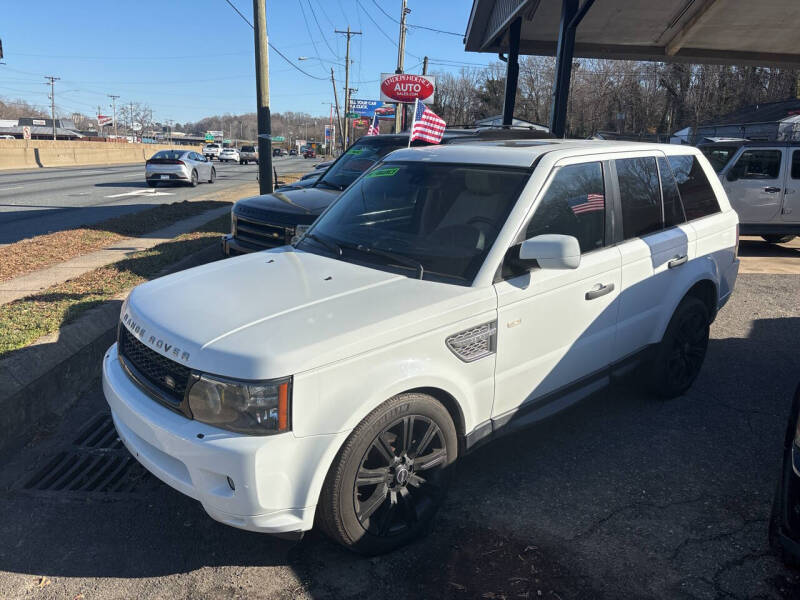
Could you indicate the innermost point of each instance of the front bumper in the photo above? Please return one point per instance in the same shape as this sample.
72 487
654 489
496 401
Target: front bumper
272 475
233 247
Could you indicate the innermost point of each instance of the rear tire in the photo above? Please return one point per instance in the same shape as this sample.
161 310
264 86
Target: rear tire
193 180
390 476
775 238
152 184
213 175
680 354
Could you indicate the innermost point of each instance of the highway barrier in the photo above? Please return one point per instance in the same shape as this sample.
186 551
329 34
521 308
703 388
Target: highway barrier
31 154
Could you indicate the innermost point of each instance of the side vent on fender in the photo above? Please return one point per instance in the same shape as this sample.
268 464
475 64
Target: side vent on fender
474 343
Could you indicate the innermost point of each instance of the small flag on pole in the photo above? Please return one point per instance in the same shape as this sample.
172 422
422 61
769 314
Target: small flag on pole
374 127
427 125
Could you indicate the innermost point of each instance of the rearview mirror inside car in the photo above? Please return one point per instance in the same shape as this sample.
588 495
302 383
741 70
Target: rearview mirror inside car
552 251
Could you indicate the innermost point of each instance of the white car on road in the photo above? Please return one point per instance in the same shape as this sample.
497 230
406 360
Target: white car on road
212 151
229 154
451 294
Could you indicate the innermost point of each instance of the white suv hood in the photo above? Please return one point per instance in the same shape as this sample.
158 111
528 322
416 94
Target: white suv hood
284 311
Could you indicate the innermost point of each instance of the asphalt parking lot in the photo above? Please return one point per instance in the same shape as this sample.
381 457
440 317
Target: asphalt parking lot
623 496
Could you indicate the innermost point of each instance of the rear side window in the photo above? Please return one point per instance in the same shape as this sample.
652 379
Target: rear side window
758 164
673 209
639 195
697 195
574 204
796 164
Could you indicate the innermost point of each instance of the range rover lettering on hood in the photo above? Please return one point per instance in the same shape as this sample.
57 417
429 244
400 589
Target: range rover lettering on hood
139 331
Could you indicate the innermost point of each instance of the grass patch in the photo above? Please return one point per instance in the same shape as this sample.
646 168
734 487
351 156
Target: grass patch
27 319
46 250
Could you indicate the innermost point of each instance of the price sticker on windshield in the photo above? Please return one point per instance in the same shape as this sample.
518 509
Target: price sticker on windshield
387 172
355 151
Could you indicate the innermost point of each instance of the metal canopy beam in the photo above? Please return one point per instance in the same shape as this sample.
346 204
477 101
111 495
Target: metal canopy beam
512 72
703 15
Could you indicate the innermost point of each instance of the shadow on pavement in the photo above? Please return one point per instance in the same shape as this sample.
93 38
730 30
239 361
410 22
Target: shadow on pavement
760 248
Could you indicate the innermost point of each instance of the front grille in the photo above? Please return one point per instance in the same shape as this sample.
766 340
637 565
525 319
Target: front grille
165 375
262 234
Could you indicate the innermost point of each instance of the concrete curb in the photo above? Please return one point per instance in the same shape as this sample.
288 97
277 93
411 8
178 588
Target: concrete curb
39 383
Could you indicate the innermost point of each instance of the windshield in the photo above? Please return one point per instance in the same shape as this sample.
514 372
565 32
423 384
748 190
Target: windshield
435 221
719 156
168 154
355 161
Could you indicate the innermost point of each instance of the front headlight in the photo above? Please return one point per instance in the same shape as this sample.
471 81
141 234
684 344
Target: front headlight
233 222
255 408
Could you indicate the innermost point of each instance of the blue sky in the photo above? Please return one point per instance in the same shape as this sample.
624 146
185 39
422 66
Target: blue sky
190 59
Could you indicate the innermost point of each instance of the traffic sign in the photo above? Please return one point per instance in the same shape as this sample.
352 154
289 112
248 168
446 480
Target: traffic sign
278 138
209 137
352 115
226 141
136 126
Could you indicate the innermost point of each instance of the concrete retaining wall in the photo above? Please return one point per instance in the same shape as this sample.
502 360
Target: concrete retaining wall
25 154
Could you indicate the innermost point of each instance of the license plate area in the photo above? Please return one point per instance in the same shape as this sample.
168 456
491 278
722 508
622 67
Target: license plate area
165 177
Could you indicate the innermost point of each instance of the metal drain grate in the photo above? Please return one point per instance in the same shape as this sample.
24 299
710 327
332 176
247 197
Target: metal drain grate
96 463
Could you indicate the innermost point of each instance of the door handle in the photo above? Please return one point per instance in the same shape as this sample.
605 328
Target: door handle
772 189
599 290
677 261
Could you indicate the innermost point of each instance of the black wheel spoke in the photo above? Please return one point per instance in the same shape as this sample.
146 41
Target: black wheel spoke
426 439
384 447
409 508
371 476
371 504
428 461
415 480
408 433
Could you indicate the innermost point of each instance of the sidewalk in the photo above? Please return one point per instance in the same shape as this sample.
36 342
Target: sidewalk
22 286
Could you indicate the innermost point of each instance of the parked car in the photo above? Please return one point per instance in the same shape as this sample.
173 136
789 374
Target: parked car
248 154
784 522
324 164
284 152
276 152
229 155
292 152
476 288
762 180
310 153
267 221
178 166
212 151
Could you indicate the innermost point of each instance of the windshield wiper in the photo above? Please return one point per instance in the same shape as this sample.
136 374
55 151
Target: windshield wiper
329 185
391 256
333 247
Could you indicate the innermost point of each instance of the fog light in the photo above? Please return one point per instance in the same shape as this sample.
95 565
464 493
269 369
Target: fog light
230 484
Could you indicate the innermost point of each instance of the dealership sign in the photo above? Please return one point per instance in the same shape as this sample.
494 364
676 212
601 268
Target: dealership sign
407 88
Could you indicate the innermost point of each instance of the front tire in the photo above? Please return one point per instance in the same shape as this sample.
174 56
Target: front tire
776 238
680 354
390 477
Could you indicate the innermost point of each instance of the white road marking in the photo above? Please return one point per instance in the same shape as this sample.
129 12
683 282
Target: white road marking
19 187
141 193
132 176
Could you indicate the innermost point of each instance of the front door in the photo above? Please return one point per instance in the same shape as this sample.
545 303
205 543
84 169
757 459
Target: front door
756 192
791 199
556 327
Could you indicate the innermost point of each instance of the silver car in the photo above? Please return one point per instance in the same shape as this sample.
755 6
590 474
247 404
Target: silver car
179 166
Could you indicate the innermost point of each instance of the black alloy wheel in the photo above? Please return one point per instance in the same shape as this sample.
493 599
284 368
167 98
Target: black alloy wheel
680 355
391 475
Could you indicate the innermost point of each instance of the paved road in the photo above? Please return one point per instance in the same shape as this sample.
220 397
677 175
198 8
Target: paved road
42 200
621 497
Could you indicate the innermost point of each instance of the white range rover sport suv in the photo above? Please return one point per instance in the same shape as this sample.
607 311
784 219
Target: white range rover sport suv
449 295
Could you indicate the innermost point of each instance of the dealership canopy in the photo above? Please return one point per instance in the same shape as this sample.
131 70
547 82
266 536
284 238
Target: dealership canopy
697 31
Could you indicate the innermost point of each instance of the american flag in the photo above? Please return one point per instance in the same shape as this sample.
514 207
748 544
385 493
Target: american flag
374 127
427 125
587 203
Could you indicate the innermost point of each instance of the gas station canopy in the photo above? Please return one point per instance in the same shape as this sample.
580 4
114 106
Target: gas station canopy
761 32
754 32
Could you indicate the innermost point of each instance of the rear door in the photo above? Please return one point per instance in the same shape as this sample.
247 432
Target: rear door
656 244
791 198
756 192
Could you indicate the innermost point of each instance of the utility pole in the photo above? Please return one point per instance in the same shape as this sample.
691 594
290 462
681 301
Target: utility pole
349 34
53 100
114 104
99 127
400 112
130 122
424 65
262 97
338 116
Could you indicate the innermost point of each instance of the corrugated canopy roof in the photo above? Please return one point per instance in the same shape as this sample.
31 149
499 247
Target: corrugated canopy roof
763 32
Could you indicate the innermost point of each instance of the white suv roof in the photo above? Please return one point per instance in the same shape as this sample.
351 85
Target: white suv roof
523 153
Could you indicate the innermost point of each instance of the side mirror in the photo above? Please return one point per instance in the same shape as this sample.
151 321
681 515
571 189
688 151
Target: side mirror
552 251
732 175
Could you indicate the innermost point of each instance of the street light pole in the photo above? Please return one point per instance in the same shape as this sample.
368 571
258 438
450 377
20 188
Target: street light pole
53 100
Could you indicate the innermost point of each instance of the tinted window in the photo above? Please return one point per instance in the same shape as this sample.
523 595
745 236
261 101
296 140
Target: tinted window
673 210
640 196
399 216
719 156
170 154
248 149
796 164
697 195
758 164
574 204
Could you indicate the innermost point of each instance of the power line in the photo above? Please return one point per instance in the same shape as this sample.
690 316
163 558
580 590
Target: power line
310 35
380 8
324 39
386 35
281 54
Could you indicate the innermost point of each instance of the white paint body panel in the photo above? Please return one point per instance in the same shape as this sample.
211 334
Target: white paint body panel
353 336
